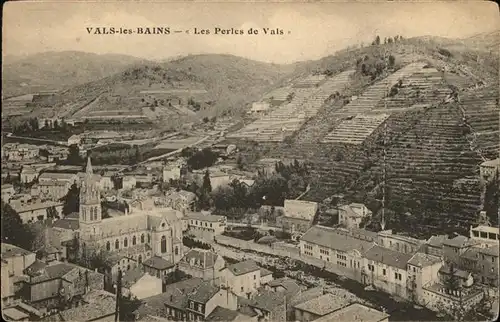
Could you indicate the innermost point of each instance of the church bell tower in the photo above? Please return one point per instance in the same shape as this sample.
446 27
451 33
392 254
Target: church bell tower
90 215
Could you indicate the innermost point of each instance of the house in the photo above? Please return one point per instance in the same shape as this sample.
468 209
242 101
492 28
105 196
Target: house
242 278
356 313
319 307
32 212
205 227
269 306
7 192
284 284
22 152
422 270
337 248
55 185
399 243
192 299
74 139
259 107
96 305
221 314
485 234
386 269
14 261
171 172
203 300
129 182
180 200
488 170
140 284
202 263
266 276
298 216
44 283
453 248
434 245
158 266
29 173
351 216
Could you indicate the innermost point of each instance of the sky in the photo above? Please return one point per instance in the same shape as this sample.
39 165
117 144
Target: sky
311 30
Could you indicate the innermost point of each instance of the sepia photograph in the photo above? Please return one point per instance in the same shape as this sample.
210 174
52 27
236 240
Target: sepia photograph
250 161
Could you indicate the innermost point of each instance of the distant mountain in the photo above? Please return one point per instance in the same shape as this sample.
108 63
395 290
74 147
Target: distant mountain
57 70
210 84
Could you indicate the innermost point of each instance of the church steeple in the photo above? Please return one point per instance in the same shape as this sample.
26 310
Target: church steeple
89 168
90 198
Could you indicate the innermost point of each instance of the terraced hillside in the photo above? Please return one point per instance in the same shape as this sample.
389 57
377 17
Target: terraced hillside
310 95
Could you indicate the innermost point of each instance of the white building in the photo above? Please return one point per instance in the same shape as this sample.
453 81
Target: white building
242 278
350 216
205 226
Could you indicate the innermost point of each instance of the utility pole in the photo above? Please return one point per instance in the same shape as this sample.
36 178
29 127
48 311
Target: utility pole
118 295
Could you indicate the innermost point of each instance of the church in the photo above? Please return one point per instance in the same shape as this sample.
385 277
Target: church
136 236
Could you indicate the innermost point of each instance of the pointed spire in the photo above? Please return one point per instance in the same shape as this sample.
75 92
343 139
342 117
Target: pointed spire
89 167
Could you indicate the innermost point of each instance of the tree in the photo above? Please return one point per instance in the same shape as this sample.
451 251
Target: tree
71 202
452 281
56 125
207 185
392 61
377 40
74 157
13 230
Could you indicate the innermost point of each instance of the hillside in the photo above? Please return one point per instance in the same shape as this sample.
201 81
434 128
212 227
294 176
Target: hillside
433 109
202 85
57 70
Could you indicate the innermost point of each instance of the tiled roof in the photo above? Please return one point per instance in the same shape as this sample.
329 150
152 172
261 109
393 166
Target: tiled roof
222 314
100 305
353 210
459 241
70 222
388 256
290 285
158 262
267 300
447 270
203 292
9 251
471 254
244 267
201 257
36 206
264 272
132 276
355 313
175 295
491 250
57 176
423 260
14 314
437 241
307 295
35 268
330 238
324 304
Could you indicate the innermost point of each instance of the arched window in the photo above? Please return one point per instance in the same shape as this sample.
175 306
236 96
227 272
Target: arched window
128 267
83 213
117 244
134 241
149 238
95 213
140 259
176 250
125 242
108 245
142 239
163 244
91 213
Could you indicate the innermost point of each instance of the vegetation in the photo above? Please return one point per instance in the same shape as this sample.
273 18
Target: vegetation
71 201
192 243
288 182
13 230
200 159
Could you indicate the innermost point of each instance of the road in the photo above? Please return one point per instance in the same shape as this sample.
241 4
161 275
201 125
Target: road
11 135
